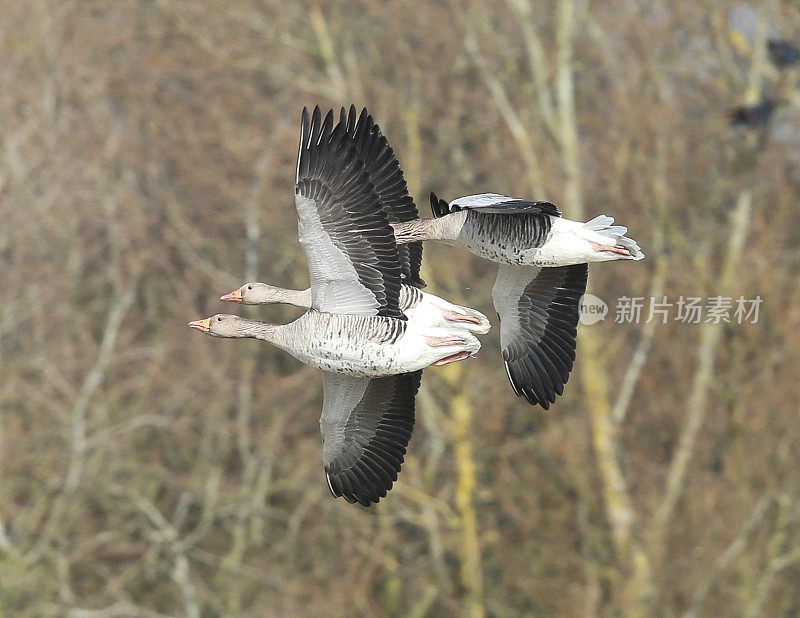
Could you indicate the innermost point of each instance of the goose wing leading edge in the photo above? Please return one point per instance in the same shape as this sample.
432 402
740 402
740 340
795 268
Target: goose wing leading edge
539 310
492 203
354 267
366 425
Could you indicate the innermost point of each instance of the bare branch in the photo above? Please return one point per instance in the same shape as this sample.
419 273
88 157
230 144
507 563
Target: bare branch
782 551
5 543
471 572
183 578
776 565
251 213
729 555
617 502
90 385
328 52
537 62
639 356
123 609
568 134
515 125
168 535
105 436
696 405
187 240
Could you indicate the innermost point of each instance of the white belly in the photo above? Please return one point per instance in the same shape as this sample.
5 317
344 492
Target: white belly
566 245
357 357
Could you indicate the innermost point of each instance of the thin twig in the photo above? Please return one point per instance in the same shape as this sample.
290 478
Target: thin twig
728 556
568 134
107 435
187 240
538 63
5 543
168 535
506 109
78 440
327 52
123 609
765 583
657 284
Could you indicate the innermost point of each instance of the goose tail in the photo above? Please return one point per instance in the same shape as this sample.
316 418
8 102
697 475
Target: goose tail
615 235
478 323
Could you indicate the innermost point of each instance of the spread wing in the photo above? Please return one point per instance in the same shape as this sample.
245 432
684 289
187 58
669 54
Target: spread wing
492 203
366 425
538 310
387 178
353 261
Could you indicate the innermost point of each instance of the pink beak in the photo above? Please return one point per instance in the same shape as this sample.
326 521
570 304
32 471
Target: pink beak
233 297
202 325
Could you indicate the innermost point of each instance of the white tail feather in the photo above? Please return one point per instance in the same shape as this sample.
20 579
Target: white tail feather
604 225
600 222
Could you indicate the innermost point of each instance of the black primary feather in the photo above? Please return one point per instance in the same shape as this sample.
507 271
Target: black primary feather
388 180
439 208
375 440
539 359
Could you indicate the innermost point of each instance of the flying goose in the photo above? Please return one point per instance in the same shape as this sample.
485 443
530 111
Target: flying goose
418 306
371 356
543 270
384 172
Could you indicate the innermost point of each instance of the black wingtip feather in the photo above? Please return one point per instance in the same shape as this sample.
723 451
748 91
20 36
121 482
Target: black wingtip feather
386 176
440 207
380 456
316 124
538 361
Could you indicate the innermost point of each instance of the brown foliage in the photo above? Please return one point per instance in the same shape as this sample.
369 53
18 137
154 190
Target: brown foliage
148 152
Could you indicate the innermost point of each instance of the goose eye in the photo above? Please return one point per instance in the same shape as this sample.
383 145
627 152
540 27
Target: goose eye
249 287
219 319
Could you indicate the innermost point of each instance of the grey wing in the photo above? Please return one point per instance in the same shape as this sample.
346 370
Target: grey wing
353 261
366 425
492 203
538 310
386 176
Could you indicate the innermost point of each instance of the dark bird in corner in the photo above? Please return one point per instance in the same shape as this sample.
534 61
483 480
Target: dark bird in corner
783 53
752 116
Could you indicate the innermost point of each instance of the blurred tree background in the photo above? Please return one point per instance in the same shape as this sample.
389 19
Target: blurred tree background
147 153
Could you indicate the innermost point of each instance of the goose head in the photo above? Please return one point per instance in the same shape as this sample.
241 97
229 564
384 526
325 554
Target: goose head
228 325
257 293
254 293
